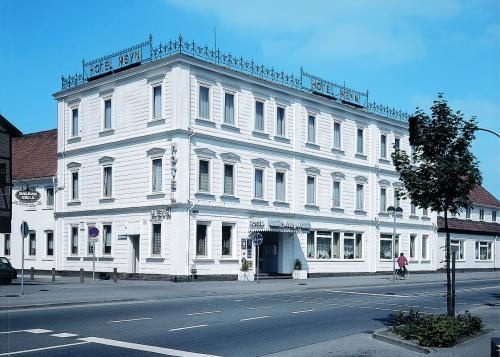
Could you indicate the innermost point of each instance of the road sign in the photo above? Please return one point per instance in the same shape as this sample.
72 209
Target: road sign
257 239
93 232
25 230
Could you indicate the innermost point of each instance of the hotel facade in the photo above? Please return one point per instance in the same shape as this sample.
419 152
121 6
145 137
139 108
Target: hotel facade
180 156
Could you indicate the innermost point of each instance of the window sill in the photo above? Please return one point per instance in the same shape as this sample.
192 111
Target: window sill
153 259
106 258
74 139
313 146
73 257
204 122
282 139
260 202
230 127
229 198
155 122
229 260
383 214
483 261
412 216
384 161
47 259
106 132
330 260
337 151
260 134
425 261
360 212
337 210
155 195
425 218
204 196
74 203
311 206
360 156
106 199
33 257
89 258
281 204
204 260
48 208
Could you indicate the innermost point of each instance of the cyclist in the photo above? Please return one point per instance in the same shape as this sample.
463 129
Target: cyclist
402 262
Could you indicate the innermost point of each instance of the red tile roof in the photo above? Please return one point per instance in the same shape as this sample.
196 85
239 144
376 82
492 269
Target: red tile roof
480 196
468 226
34 155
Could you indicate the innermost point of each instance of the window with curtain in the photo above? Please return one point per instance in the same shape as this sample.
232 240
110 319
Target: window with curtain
310 244
336 135
280 186
424 247
50 243
311 190
359 197
49 191
358 246
413 239
481 214
383 199
336 193
106 236
228 179
383 146
203 106
323 245
6 244
156 241
359 142
107 114
74 185
349 246
74 122
311 129
457 246
413 208
280 121
229 108
386 246
74 240
259 116
203 176
201 239
259 185
336 245
157 102
227 234
157 173
483 250
107 190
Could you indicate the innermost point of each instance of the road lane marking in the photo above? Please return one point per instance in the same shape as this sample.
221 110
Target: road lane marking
368 294
238 300
146 348
64 335
203 313
303 311
138 319
256 318
43 348
260 307
16 331
187 327
38 330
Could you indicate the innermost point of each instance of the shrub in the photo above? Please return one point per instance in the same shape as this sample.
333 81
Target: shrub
245 265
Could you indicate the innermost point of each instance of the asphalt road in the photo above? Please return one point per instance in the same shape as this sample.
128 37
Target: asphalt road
233 325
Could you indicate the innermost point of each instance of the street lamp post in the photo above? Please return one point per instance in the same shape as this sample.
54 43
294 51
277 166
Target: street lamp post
394 212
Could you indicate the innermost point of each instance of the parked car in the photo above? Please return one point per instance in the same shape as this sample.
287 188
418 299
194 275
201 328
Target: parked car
7 272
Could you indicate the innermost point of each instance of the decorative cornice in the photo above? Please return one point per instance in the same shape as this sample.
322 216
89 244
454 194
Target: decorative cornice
338 175
229 157
260 162
361 179
205 152
155 152
73 165
106 160
313 171
281 165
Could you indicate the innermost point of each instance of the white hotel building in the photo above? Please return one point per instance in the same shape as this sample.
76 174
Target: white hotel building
180 157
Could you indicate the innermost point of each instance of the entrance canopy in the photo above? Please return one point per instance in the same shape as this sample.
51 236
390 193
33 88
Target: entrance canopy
278 225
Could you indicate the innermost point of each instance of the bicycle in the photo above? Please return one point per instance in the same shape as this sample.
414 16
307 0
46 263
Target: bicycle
402 273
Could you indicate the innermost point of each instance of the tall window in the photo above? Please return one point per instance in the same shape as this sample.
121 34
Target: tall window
74 186
280 121
90 245
280 186
156 242
259 183
336 135
336 194
32 244
311 129
106 239
227 234
359 142
383 146
483 250
74 240
107 114
397 198
481 214
413 209
6 244
493 216
397 143
359 197
310 244
424 212
457 246
424 246
259 116
353 246
413 239
203 176
386 246
311 190
468 212
157 102
228 179
50 243
107 184
74 122
201 239
229 108
323 245
49 191
203 105
157 175
383 199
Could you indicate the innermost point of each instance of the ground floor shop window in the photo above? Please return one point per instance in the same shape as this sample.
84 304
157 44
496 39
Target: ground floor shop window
457 246
353 245
201 239
483 250
328 245
156 243
386 246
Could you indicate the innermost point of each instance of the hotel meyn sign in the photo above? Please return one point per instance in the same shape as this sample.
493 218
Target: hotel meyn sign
28 196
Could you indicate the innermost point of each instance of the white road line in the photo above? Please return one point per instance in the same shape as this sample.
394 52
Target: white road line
255 318
187 327
43 348
369 294
303 311
203 313
146 348
260 307
238 300
64 335
138 319
16 331
38 330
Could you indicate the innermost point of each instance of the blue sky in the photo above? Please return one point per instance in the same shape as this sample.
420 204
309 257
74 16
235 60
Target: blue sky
403 52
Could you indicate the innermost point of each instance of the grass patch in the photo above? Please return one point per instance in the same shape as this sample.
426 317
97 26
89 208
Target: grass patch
435 330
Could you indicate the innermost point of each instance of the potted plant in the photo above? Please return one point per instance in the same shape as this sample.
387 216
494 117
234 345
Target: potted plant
245 273
298 273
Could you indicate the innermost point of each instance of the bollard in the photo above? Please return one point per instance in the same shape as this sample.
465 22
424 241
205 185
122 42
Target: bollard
32 274
115 275
81 275
53 274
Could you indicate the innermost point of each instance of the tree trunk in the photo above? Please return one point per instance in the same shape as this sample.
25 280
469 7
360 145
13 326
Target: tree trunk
449 299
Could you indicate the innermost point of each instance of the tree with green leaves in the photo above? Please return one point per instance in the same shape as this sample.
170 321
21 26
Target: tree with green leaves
441 170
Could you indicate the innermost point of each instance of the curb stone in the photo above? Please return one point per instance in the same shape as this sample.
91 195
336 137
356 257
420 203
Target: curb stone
381 335
58 304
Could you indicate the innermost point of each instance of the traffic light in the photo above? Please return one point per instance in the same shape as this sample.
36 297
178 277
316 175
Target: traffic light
414 129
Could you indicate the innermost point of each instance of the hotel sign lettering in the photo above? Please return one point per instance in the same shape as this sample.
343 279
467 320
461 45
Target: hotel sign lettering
109 64
28 196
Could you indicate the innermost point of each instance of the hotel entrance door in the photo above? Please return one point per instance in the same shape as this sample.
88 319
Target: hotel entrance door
268 253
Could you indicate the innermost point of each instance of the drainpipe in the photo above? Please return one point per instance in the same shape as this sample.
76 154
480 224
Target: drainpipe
54 189
191 133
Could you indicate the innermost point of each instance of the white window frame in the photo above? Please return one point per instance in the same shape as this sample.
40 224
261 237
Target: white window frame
151 174
284 133
340 134
468 213
263 183
47 232
106 224
156 223
235 107
284 186
342 236
489 249
209 161
105 98
47 196
234 165
207 239
315 128
415 239
355 238
74 168
209 86
232 239
493 215
70 240
103 171
29 243
383 153
424 243
362 128
263 102
362 208
153 82
397 139
383 208
481 214
460 243
74 133
339 181
315 190
397 245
